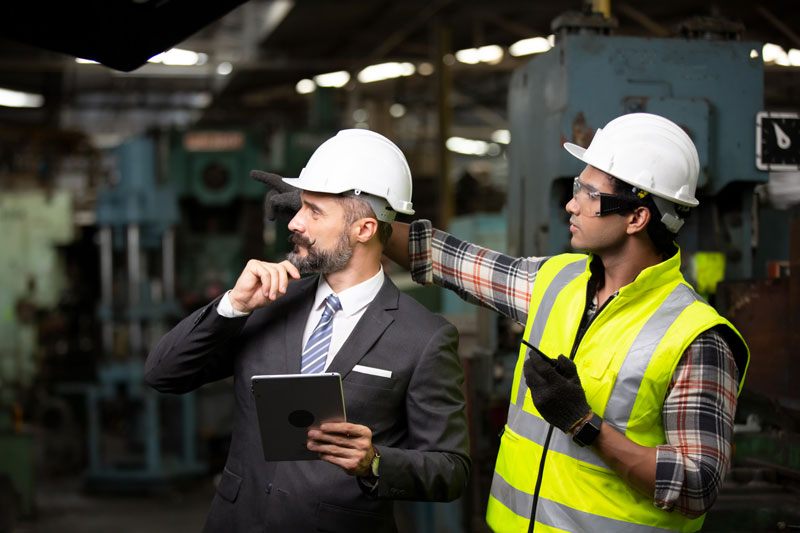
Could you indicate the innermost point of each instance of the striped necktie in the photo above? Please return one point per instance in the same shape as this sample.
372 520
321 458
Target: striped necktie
316 350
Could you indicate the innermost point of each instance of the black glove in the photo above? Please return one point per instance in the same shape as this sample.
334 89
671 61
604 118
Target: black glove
282 199
556 390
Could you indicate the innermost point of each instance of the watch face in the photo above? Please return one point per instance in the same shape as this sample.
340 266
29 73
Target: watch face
777 141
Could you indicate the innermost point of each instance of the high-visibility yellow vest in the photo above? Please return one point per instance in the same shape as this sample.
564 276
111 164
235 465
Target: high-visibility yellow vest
625 361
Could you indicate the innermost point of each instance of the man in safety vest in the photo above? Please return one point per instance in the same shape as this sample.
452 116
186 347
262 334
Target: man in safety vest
624 422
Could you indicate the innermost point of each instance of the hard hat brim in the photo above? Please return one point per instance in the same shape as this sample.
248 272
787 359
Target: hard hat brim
575 150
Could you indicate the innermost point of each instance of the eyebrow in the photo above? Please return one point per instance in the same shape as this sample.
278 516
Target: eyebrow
590 187
314 206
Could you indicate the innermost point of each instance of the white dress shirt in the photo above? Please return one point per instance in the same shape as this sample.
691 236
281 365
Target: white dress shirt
354 302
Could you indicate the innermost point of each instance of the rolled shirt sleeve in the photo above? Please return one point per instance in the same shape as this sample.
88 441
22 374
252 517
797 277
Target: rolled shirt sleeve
698 421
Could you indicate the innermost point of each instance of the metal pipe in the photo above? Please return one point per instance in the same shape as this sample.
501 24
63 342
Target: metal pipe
134 282
602 6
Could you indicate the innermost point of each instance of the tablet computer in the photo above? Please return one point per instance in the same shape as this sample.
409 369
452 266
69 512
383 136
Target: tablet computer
288 405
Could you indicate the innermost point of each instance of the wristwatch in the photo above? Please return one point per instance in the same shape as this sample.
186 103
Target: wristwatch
588 431
375 460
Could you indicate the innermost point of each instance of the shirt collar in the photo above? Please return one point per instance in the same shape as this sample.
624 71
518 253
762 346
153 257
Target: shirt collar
354 298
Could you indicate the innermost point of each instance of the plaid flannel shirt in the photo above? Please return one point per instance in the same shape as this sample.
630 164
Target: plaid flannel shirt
701 401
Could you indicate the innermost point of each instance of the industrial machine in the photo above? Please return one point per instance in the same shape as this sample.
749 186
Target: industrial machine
137 439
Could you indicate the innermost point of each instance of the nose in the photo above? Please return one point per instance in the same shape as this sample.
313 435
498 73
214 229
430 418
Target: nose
296 224
572 206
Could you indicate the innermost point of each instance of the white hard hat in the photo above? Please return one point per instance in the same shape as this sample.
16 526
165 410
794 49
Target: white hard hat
651 153
363 164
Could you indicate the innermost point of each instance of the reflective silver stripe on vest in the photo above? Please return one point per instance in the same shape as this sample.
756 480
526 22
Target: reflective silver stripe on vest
534 429
564 276
517 501
567 274
560 516
626 387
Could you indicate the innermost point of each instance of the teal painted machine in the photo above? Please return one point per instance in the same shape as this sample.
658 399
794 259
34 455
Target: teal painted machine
711 88
138 439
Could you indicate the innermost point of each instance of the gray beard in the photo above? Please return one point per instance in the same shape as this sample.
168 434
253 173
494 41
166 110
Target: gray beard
321 261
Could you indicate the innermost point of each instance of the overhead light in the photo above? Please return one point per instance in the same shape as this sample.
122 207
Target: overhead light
397 110
360 115
224 68
534 45
83 61
425 69
485 54
794 57
501 136
179 57
332 79
773 53
467 146
385 71
9 98
753 53
305 86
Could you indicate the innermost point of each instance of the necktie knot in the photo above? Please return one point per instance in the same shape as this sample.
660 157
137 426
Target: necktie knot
316 350
332 304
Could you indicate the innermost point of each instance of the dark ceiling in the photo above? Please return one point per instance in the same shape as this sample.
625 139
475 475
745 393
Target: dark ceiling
314 36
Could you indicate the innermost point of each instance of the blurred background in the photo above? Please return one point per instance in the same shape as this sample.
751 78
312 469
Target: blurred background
127 133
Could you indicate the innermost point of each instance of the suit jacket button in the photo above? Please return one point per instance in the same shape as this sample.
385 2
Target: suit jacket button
268 488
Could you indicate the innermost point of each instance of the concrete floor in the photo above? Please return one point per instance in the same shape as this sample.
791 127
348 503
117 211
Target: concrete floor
62 507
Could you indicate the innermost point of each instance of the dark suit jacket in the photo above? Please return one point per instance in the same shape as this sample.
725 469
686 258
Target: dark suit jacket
417 416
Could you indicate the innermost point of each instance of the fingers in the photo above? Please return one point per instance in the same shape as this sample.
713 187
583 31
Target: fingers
348 446
273 180
261 283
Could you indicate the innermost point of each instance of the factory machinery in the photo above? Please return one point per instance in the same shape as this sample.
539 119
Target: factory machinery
711 84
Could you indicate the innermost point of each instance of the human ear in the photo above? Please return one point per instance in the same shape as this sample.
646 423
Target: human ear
638 220
365 228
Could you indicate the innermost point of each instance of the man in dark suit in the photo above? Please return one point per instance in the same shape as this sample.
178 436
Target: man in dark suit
406 435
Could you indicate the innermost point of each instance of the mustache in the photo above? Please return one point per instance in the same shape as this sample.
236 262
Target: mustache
297 239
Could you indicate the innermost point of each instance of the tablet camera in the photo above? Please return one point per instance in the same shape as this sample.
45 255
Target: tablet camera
301 418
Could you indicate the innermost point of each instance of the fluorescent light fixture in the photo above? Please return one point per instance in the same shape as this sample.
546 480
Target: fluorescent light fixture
9 98
501 136
305 86
467 146
224 68
534 45
178 57
332 79
485 54
385 71
397 110
773 53
794 57
468 56
83 61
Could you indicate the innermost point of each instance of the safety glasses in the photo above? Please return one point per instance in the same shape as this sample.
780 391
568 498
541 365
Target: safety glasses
609 203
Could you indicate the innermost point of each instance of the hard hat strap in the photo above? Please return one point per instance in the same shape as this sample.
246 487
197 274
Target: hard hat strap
669 215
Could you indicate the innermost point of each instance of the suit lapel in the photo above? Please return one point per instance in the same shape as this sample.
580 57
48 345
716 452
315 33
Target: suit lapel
369 329
296 324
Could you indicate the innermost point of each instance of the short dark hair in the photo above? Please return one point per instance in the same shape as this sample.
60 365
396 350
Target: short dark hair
356 209
663 239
